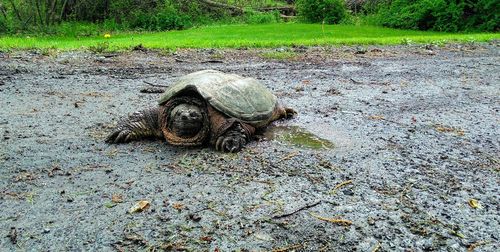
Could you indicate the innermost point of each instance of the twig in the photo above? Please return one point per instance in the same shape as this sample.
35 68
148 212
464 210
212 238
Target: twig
298 210
376 247
284 249
340 185
289 156
212 61
336 221
355 81
154 85
152 90
473 246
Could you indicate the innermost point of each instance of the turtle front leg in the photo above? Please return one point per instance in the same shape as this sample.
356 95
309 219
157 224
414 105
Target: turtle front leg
141 124
233 139
288 113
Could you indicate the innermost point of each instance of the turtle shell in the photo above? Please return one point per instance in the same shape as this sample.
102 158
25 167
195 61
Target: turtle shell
243 98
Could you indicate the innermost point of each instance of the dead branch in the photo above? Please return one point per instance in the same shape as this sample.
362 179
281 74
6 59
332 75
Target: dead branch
285 10
340 185
154 85
331 220
235 10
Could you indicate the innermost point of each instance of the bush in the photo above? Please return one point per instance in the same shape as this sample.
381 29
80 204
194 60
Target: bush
3 25
263 18
317 11
441 15
167 18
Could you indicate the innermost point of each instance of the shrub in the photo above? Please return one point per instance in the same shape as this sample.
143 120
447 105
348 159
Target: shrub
168 18
3 25
441 15
263 18
317 11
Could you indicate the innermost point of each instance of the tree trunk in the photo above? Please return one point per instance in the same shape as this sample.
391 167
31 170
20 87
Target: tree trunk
62 11
51 12
234 10
38 10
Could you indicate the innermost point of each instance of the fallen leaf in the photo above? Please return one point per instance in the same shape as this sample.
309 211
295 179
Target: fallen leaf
474 203
206 238
117 198
178 206
376 117
139 206
109 204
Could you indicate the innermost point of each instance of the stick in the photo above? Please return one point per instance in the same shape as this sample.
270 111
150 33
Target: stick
284 249
341 185
298 210
336 221
154 85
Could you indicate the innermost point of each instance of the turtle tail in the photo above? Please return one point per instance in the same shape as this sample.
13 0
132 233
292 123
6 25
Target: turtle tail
139 125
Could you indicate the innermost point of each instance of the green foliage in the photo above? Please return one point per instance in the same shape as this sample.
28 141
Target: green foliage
317 11
284 55
99 47
75 29
441 15
263 18
3 25
167 16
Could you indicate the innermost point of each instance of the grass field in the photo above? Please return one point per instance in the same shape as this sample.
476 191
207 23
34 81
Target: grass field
237 36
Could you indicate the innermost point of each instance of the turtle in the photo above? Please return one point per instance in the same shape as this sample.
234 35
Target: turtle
205 107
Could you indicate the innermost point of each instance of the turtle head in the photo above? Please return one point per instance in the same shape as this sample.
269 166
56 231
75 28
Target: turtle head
186 120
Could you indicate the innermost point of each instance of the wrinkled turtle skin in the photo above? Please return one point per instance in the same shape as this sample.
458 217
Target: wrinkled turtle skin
208 106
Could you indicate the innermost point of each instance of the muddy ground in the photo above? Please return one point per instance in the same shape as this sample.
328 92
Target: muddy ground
413 163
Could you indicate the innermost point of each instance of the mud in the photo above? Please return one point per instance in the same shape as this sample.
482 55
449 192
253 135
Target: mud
412 162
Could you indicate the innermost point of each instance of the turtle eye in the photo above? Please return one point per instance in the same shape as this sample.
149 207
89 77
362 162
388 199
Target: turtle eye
193 114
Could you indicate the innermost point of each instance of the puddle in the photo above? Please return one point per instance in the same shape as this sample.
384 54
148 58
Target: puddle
297 136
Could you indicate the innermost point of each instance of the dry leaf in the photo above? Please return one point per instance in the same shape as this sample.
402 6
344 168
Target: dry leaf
178 206
376 117
117 198
474 203
139 206
206 238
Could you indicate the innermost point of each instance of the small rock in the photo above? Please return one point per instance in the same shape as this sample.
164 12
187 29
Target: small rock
299 88
194 217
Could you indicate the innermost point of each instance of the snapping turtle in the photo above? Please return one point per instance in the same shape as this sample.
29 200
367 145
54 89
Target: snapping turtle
205 107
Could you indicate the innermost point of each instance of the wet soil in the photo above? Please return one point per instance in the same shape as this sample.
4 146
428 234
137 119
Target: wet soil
394 149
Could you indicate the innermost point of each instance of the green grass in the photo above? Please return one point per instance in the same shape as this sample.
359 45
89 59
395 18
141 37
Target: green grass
237 36
279 55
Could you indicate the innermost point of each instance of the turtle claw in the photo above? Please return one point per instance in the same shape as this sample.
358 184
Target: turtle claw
232 141
119 136
290 113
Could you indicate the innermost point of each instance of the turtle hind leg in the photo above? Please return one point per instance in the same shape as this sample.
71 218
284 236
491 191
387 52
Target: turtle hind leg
140 125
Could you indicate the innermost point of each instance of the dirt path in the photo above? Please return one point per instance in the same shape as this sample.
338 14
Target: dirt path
415 134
